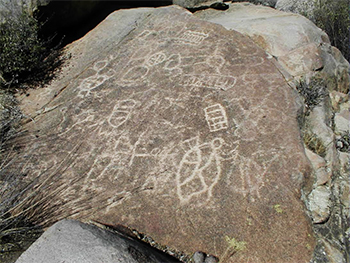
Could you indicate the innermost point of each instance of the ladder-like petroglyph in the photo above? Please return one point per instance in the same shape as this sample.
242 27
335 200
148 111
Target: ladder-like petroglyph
216 118
192 37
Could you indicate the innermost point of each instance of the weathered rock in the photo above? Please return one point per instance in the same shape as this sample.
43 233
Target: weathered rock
342 122
271 3
71 241
323 173
319 204
195 3
298 51
178 128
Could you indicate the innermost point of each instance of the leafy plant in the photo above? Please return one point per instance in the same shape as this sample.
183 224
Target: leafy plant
333 17
26 60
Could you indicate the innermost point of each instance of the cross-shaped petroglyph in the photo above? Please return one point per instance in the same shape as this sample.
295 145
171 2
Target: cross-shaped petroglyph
200 168
216 118
156 59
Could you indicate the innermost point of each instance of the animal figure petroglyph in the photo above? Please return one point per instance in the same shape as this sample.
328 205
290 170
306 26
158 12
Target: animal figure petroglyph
200 168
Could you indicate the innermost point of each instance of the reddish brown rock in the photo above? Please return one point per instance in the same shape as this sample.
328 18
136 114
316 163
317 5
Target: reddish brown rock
180 129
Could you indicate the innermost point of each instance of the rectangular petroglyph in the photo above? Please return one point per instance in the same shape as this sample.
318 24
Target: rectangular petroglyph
216 117
192 37
216 82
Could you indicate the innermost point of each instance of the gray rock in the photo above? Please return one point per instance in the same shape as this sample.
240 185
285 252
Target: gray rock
298 52
271 3
194 3
320 203
198 257
71 241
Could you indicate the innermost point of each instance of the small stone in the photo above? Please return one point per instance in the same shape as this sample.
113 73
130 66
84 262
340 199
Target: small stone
198 257
211 259
319 204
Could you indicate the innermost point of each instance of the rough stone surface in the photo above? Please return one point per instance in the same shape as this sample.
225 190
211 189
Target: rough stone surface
323 173
178 128
297 51
342 122
320 204
70 241
194 3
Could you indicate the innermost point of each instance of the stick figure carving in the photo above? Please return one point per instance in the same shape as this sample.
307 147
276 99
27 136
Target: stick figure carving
200 168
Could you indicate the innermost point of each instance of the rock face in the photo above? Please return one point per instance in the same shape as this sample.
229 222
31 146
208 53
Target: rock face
178 128
304 55
71 241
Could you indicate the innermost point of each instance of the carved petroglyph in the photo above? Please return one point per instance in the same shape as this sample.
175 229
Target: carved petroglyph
192 37
200 168
156 59
253 173
121 112
135 73
101 76
215 82
216 118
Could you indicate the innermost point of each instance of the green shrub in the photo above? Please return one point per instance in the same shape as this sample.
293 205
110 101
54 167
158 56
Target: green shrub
334 18
26 60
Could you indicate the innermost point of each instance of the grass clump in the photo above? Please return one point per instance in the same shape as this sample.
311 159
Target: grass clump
313 92
314 144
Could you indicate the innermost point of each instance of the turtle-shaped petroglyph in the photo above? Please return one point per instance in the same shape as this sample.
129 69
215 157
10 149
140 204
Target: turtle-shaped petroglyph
200 168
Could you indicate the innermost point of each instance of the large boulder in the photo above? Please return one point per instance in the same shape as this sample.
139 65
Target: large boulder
71 241
297 51
178 128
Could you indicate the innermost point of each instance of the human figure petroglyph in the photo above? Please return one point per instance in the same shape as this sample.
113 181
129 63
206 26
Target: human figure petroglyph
121 112
216 118
253 174
200 168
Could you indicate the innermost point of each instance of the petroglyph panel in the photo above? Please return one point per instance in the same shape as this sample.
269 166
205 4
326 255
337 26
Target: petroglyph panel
176 126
